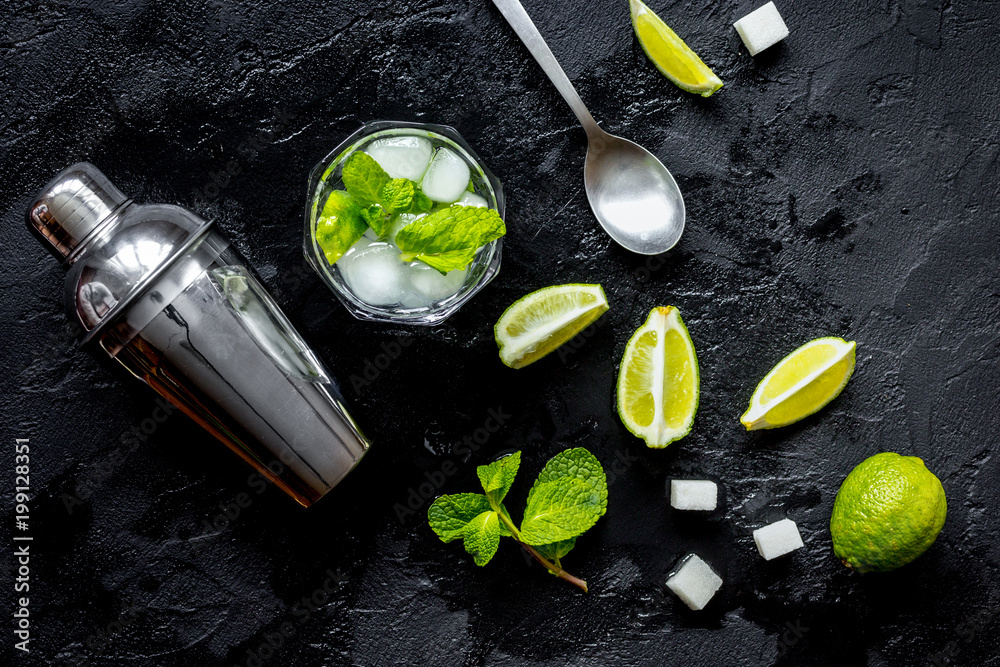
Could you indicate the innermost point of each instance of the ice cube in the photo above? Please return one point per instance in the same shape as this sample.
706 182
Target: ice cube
761 28
472 199
360 245
777 539
430 284
693 494
400 221
375 273
370 234
694 582
413 300
447 177
402 157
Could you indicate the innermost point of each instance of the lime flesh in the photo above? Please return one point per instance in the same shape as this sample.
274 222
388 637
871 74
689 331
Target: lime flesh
670 54
801 383
658 384
538 323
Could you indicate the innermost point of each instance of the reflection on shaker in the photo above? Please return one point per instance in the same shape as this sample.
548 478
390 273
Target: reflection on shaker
267 324
96 301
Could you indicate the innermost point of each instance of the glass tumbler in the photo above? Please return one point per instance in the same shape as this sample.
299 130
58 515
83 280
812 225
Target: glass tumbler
326 177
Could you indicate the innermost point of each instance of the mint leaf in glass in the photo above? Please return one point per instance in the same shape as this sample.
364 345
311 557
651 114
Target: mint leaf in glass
376 218
364 178
397 195
339 226
421 203
454 260
447 239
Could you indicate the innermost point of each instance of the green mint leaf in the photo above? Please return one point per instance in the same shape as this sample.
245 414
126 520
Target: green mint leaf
447 239
560 510
576 463
421 203
456 260
364 178
339 226
470 187
497 477
449 515
482 537
375 217
397 195
556 550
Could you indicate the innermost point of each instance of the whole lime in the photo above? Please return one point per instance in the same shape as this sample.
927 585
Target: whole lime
888 511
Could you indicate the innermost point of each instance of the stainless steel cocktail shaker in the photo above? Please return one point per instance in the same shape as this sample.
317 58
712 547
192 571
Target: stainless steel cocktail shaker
158 290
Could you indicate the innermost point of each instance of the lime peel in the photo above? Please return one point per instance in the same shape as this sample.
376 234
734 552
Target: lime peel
888 511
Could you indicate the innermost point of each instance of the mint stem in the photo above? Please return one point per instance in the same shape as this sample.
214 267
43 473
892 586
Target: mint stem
549 565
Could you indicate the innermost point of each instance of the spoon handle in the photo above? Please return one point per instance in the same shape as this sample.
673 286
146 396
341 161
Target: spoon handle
518 19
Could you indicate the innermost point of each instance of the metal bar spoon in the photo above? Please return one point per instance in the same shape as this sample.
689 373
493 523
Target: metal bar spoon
632 194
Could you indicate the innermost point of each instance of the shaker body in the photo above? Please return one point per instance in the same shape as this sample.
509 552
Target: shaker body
224 353
164 295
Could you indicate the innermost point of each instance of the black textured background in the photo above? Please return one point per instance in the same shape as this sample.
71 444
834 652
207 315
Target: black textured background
842 183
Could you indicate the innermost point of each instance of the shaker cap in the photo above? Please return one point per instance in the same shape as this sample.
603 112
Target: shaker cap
72 206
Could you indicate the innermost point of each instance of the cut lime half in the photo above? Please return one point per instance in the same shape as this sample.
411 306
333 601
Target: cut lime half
658 384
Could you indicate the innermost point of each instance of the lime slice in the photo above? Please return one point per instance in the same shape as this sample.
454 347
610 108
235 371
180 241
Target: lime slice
540 322
658 380
801 383
670 54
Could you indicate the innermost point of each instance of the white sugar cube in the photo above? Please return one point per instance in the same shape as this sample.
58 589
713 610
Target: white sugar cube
694 582
761 28
777 539
693 494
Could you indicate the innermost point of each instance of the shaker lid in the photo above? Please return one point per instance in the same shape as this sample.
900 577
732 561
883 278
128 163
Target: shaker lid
72 206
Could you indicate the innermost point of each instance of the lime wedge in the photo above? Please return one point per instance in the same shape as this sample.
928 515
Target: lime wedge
801 383
670 54
658 381
540 322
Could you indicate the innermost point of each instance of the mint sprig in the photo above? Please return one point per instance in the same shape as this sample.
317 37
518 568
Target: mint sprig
378 196
447 239
567 499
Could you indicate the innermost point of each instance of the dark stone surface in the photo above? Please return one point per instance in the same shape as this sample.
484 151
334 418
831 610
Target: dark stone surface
844 182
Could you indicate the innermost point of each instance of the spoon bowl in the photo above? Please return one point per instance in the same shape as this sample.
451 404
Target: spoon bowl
633 196
631 193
